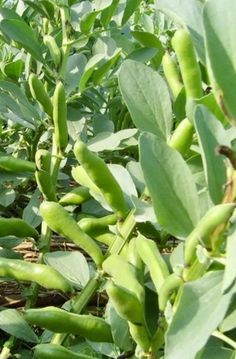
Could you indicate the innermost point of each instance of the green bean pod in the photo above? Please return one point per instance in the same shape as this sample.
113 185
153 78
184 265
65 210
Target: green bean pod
60 221
75 197
172 74
216 216
41 274
96 226
153 259
100 174
60 118
56 351
60 321
16 165
141 337
43 174
126 303
189 67
16 227
39 93
123 275
54 50
182 137
171 284
135 260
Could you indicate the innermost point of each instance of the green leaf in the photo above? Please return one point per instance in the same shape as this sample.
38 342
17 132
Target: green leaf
186 12
13 323
216 352
220 33
202 307
230 268
75 67
170 184
119 328
31 211
148 39
7 197
131 6
107 13
90 67
209 131
147 98
72 265
20 32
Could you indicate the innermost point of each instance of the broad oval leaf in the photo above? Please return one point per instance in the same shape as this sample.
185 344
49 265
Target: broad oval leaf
147 98
200 300
220 33
13 323
210 131
170 184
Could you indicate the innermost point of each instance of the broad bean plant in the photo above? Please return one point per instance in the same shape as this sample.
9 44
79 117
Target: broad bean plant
117 135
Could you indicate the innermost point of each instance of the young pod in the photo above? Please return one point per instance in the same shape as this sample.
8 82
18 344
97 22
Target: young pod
172 74
41 274
123 275
60 321
150 255
60 118
96 226
171 284
39 93
16 227
100 174
216 216
54 50
43 174
75 197
16 165
60 221
126 303
189 67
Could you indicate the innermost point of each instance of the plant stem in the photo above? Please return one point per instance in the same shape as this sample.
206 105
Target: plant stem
66 46
223 337
79 302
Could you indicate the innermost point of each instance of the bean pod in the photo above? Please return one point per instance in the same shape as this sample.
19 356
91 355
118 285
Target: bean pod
60 321
60 118
43 175
60 221
45 276
216 216
190 70
39 93
16 165
100 174
16 227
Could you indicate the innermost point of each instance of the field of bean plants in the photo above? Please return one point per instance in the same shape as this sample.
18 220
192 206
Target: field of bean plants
117 179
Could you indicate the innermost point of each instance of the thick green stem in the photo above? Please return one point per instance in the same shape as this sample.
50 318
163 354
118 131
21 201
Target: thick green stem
66 46
79 302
